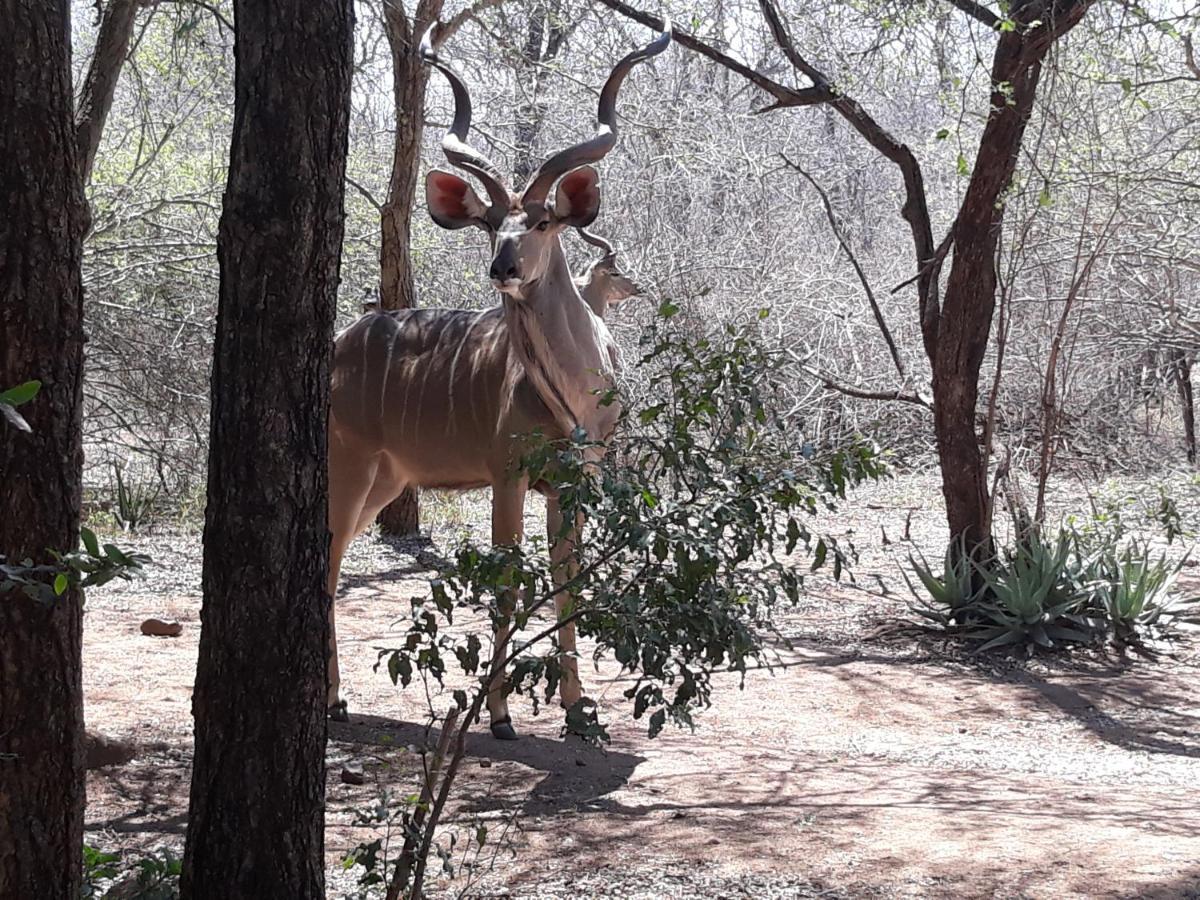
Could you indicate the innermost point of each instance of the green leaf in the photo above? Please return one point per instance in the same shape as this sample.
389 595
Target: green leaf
667 309
89 540
61 583
963 166
942 134
819 554
1044 198
22 393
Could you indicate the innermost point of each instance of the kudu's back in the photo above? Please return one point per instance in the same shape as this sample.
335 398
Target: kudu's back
437 391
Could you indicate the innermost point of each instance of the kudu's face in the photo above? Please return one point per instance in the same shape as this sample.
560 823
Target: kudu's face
607 285
524 236
524 228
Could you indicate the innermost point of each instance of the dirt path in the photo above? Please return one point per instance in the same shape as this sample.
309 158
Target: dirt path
871 762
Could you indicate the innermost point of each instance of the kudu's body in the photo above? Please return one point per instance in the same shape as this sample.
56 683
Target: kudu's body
445 398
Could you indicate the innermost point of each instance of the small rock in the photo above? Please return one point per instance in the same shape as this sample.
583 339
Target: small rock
101 750
579 762
485 764
159 628
352 773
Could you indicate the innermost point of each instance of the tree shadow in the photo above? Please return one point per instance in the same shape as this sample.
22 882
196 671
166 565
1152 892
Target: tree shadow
574 775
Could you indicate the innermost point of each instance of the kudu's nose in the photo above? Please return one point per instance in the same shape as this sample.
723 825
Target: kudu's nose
503 270
504 263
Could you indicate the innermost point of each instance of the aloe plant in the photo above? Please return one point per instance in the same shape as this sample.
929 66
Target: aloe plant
950 596
1078 588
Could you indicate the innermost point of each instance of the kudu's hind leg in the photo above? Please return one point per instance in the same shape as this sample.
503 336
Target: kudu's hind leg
508 527
566 566
350 481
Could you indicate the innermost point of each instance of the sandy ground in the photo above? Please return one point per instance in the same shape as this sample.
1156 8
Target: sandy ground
873 761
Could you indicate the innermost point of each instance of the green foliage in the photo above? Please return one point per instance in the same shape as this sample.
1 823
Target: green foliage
686 549
88 566
135 501
153 877
1086 586
14 397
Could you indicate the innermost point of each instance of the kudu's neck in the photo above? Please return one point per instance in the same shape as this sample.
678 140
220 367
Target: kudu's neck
565 349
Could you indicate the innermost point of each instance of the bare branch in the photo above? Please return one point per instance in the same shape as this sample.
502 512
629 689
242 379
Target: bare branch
367 195
862 393
977 11
858 269
784 96
916 208
100 83
456 22
1189 56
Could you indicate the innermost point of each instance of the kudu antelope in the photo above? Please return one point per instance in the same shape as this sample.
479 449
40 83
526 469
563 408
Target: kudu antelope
603 285
441 398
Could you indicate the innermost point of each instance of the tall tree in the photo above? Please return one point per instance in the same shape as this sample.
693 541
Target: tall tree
100 83
255 819
954 330
43 218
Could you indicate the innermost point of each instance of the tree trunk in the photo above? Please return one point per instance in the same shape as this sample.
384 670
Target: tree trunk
43 218
1187 402
96 96
970 299
397 289
255 819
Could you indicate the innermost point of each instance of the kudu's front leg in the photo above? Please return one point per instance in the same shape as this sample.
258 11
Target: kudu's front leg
565 566
508 527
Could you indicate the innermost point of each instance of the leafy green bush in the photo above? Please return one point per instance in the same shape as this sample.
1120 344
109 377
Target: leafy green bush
686 550
1087 586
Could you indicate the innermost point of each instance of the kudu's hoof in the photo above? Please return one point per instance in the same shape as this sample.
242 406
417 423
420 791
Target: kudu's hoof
338 713
502 730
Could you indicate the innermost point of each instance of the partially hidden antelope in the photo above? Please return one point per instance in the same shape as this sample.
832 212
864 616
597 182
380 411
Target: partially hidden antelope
603 284
443 398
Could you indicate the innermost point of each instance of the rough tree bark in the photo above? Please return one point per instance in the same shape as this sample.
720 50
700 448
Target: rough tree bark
255 819
100 83
43 218
397 289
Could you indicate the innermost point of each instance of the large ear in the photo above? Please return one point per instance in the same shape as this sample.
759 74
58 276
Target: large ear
577 200
452 202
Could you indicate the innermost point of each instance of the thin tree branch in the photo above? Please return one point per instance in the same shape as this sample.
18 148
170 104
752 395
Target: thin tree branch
858 270
977 11
784 96
916 208
447 31
367 195
1189 56
100 83
864 394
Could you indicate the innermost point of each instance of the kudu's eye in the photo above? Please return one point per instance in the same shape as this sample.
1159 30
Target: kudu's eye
542 225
